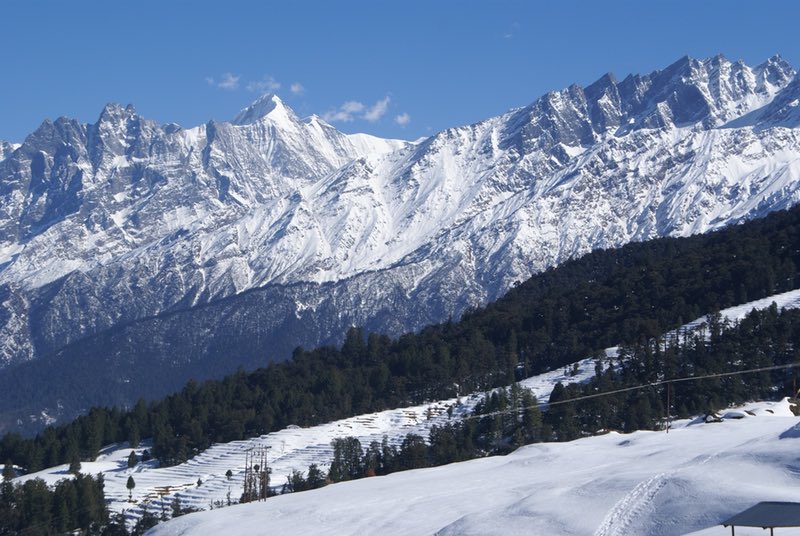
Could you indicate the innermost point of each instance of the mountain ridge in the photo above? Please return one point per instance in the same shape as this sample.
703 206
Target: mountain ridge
124 219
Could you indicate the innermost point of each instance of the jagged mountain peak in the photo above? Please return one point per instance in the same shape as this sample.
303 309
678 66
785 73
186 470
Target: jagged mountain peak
268 105
783 111
314 119
6 149
779 62
605 81
136 219
113 111
775 71
689 92
116 121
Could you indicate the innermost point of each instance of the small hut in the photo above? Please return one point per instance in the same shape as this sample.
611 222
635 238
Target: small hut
766 515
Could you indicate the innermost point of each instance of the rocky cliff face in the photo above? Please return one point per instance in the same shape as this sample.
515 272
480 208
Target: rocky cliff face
288 231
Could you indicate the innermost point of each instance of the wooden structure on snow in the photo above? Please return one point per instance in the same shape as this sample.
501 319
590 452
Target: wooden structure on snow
766 515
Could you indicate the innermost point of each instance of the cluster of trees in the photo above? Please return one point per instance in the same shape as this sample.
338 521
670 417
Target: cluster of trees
763 339
504 420
297 481
34 508
508 418
72 506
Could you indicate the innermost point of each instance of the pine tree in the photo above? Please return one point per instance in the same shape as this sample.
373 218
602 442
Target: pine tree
315 477
8 471
130 485
413 452
373 460
177 511
347 463
75 464
132 460
561 416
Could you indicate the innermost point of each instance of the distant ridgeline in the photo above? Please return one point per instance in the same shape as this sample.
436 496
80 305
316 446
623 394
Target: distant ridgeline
629 296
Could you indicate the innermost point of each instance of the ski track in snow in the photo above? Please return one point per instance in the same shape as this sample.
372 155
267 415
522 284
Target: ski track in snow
627 509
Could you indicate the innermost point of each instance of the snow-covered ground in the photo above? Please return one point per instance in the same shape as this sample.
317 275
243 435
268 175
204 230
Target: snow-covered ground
786 300
294 448
642 483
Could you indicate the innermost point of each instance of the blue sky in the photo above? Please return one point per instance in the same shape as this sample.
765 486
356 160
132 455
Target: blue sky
395 69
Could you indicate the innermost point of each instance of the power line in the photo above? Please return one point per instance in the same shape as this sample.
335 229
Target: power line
640 387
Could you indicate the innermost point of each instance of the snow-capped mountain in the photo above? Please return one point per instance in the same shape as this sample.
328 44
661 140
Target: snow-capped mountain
145 233
126 218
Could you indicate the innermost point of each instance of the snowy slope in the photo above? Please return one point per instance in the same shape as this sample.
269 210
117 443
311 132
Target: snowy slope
105 224
647 483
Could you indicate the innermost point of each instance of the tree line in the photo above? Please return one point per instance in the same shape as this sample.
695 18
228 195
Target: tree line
555 318
762 339
508 418
505 419
34 508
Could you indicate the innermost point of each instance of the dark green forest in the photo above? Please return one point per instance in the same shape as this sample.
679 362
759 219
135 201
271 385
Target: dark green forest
508 418
505 419
605 298
630 296
33 508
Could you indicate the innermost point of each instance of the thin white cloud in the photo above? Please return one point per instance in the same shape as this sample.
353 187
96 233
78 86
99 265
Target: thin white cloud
344 113
352 107
266 85
297 88
352 110
377 110
510 33
210 80
402 119
229 81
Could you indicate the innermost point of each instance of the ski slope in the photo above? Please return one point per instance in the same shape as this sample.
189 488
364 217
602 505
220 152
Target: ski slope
651 483
295 448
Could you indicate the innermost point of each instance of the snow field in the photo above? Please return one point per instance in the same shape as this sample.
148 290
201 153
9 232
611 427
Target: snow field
642 483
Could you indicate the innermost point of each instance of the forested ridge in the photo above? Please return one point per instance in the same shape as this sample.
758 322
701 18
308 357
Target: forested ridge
605 298
630 392
630 296
634 389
